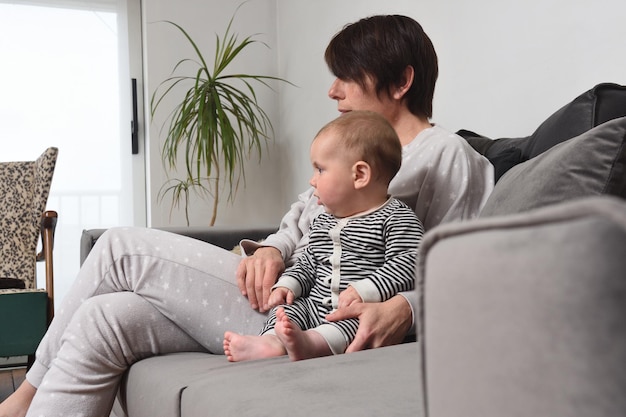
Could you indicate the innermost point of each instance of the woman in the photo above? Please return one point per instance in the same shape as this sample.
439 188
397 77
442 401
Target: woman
142 292
441 177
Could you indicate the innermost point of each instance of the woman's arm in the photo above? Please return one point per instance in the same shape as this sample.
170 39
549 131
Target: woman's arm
264 262
380 324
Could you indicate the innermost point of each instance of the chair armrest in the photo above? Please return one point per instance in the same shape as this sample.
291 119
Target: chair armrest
225 237
48 227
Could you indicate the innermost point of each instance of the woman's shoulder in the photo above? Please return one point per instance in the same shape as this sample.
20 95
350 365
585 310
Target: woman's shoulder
439 141
437 135
434 139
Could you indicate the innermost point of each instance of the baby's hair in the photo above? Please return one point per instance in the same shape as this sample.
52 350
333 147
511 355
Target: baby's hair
369 137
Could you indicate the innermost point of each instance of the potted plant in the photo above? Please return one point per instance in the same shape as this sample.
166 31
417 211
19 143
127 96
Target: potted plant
216 125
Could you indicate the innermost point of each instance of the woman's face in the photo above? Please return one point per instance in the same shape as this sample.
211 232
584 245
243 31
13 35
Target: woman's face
351 96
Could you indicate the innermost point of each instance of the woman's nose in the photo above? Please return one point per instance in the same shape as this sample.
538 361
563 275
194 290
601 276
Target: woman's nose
335 89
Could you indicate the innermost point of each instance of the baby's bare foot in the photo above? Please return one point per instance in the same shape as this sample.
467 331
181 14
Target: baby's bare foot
16 405
300 344
239 347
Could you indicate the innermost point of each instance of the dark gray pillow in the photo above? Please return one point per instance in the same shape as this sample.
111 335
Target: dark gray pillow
600 104
592 163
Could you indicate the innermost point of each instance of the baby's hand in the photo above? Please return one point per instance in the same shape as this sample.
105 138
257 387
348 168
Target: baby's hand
281 295
348 297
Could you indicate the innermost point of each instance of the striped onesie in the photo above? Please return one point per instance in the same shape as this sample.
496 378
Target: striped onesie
375 252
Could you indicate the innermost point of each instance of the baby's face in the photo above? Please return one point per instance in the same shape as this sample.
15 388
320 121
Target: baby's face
332 173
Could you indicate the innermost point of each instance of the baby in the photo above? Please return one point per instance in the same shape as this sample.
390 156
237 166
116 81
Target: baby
363 248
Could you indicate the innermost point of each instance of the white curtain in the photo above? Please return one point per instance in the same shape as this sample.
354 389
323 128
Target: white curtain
65 82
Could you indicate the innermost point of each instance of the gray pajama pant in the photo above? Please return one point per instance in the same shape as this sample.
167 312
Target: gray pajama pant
140 293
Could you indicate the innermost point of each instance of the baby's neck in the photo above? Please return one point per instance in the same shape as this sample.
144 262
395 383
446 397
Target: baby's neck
367 207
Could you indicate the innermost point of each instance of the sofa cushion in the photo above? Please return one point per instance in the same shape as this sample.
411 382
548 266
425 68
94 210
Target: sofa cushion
153 387
377 382
385 382
593 163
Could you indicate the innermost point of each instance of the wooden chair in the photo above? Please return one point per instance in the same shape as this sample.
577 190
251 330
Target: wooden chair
25 310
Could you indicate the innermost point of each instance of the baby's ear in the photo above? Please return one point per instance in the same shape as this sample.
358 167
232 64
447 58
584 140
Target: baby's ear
361 174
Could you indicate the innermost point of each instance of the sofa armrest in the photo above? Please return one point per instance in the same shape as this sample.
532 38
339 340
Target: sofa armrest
222 236
528 318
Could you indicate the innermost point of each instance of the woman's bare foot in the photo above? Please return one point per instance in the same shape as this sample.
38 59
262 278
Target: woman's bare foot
300 344
17 403
239 347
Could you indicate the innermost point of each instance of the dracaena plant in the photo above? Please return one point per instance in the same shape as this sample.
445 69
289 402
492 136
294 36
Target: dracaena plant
217 123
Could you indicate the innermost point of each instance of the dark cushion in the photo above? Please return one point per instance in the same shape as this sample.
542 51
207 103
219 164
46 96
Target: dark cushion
592 108
12 283
603 102
593 163
503 153
23 322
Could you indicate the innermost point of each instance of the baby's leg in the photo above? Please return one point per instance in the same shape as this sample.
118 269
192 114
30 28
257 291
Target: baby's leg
300 344
238 347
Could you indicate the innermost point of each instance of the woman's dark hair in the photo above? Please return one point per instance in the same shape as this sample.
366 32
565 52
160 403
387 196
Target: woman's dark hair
382 47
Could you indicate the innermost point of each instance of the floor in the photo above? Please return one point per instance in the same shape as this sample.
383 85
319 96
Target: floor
10 379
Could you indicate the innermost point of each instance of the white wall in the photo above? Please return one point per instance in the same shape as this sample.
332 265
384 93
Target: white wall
505 66
164 46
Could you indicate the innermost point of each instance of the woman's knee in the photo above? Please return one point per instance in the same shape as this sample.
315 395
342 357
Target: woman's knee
109 325
116 235
107 311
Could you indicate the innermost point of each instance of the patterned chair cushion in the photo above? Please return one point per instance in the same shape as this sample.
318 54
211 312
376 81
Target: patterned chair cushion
24 188
20 290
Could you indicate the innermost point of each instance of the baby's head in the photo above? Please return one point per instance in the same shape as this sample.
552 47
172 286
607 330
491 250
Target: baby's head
366 136
354 158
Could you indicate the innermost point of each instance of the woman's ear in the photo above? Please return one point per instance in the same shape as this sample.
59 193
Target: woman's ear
361 174
407 81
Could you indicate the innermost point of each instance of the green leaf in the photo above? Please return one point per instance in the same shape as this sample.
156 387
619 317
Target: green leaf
217 123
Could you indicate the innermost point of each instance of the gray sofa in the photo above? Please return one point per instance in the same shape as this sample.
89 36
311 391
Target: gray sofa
522 310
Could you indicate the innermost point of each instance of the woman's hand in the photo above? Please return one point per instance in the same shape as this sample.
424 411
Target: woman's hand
257 273
380 324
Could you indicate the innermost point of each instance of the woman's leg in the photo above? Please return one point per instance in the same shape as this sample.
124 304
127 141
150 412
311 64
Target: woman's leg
17 403
106 335
188 282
